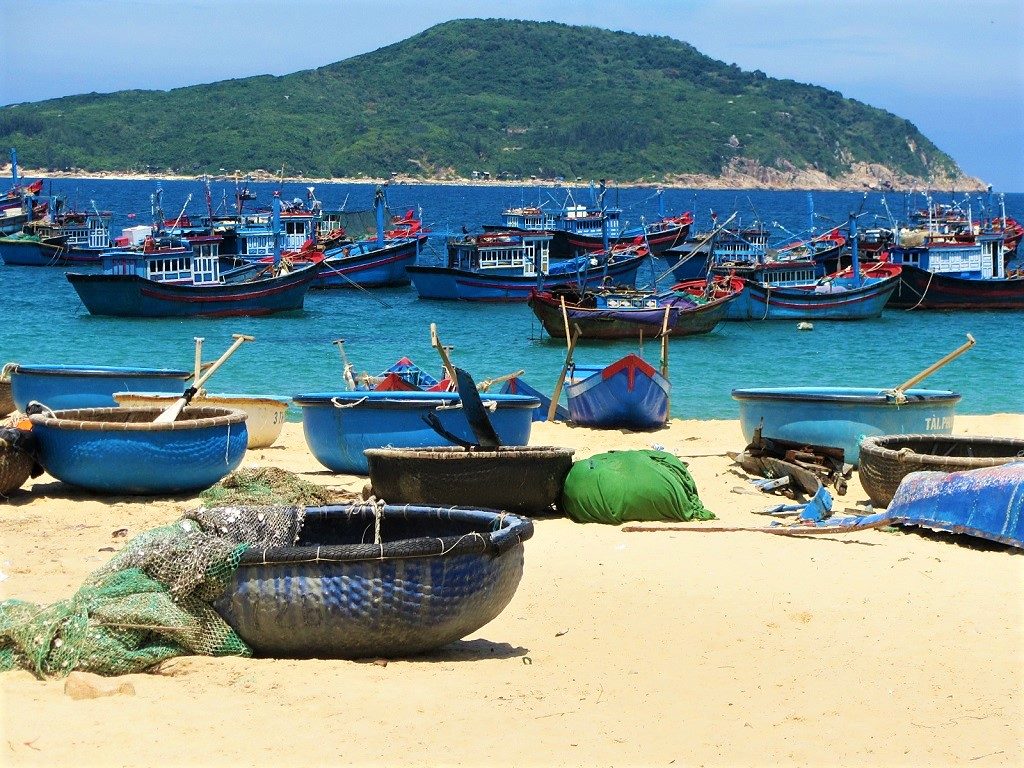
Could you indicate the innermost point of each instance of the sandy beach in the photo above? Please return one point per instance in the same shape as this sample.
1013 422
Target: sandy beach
728 649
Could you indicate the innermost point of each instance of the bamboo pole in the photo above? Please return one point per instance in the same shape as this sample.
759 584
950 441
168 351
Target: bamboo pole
936 365
561 378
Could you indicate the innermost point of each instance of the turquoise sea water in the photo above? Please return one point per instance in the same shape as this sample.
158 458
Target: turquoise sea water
44 322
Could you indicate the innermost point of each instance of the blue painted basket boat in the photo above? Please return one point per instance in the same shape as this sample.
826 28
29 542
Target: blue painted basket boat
121 450
436 576
841 417
339 426
60 387
986 502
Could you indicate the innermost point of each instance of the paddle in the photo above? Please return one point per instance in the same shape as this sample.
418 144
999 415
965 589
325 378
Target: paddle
475 412
561 379
934 367
174 410
199 358
442 350
350 382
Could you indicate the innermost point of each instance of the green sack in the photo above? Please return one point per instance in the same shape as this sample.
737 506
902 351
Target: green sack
618 486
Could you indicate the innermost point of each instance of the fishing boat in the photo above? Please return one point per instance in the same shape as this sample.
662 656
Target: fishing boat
339 426
628 393
434 575
60 239
956 275
724 247
687 309
507 266
18 206
170 277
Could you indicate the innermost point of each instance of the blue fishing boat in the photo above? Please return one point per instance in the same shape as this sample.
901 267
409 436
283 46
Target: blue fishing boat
124 451
507 266
840 417
987 502
339 426
693 259
60 239
628 394
171 277
60 387
434 575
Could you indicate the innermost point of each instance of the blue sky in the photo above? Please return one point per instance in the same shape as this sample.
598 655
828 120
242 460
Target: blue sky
954 69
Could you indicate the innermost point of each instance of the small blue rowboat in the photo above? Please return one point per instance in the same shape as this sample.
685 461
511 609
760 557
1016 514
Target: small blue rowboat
435 576
841 417
339 426
122 450
628 393
60 387
985 502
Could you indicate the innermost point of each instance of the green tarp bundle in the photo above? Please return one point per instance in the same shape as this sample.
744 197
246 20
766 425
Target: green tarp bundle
620 486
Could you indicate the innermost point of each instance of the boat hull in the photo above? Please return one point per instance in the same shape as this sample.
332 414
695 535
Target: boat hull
841 417
434 282
684 318
134 296
627 394
60 387
363 265
920 289
658 242
339 426
763 302
32 253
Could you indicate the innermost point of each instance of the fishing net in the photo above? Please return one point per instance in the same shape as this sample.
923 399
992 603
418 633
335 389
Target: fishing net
151 602
267 486
357 224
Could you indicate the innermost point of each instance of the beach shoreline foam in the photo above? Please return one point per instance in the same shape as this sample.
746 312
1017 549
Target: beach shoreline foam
875 648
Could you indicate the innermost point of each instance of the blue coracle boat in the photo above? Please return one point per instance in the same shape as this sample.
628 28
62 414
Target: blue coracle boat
986 502
841 417
123 451
629 393
339 426
435 576
93 386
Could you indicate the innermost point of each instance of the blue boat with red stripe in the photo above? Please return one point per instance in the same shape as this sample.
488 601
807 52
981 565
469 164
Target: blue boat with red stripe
629 394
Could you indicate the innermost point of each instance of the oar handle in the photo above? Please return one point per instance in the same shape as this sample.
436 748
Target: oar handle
553 408
938 364
199 358
240 339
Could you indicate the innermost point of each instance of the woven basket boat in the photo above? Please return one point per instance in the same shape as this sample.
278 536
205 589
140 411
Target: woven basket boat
122 451
886 460
6 401
437 576
15 467
522 479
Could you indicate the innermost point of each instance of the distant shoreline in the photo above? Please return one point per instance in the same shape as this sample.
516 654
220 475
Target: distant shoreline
687 181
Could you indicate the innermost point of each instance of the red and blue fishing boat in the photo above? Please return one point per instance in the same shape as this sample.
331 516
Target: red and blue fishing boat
687 309
60 239
628 393
172 277
507 266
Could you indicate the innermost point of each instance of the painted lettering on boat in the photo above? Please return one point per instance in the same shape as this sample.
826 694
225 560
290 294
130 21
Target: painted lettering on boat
938 422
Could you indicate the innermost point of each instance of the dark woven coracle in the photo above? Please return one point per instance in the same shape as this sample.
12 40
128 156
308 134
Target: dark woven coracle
886 460
436 576
15 467
521 479
6 401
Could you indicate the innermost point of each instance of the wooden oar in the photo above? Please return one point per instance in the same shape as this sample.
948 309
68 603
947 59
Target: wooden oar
561 379
486 384
442 350
936 365
565 320
350 382
174 409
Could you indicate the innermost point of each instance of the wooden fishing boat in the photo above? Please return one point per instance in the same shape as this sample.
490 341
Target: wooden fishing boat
886 460
628 394
264 415
60 239
61 387
840 417
124 451
339 426
507 266
431 577
171 277
687 309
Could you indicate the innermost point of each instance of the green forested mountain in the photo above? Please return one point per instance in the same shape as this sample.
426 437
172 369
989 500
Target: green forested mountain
506 97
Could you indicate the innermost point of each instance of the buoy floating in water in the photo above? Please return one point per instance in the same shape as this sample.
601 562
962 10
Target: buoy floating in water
805 326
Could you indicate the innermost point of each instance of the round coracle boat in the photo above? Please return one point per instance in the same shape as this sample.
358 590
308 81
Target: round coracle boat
122 450
885 461
60 387
265 415
15 466
431 577
522 479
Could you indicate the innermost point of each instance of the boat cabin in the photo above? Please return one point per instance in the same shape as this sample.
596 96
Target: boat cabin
580 220
982 259
255 234
169 260
507 253
530 219
742 245
782 274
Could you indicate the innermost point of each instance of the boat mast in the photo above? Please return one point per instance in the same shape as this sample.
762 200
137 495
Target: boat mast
378 209
276 227
157 211
855 260
14 167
